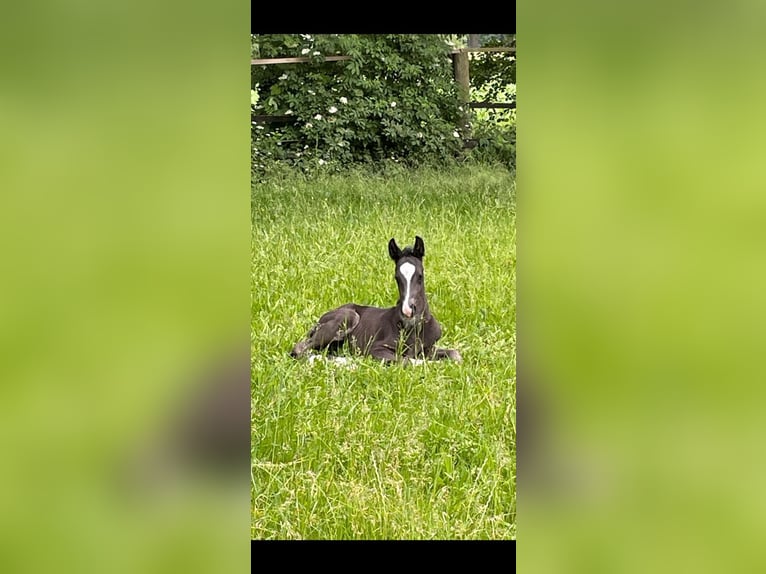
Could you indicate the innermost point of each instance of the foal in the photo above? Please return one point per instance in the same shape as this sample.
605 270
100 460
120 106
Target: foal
406 331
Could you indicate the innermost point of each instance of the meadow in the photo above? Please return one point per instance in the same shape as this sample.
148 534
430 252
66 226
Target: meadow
367 451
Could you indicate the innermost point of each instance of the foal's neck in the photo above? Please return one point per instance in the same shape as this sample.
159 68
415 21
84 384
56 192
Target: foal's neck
416 323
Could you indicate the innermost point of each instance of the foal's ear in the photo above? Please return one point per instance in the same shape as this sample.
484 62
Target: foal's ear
420 248
393 250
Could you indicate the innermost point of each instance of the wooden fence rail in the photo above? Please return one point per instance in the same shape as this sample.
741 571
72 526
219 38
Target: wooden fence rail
499 105
305 59
298 60
508 49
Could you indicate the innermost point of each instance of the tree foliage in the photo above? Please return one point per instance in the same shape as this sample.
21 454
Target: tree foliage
493 79
493 72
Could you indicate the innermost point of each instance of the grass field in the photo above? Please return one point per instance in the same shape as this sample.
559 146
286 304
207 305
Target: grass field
379 452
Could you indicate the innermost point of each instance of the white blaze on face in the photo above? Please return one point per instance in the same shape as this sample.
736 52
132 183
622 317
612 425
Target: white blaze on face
407 270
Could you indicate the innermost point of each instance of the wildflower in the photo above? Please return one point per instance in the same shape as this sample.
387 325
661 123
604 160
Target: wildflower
457 135
305 51
283 76
318 117
393 104
316 53
312 92
332 109
343 100
322 162
289 112
309 125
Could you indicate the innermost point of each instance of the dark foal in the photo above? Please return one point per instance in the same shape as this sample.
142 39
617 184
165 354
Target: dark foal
406 331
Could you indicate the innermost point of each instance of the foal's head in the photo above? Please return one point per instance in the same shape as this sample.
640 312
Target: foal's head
412 302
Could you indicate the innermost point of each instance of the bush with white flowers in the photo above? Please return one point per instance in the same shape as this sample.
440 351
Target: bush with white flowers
395 97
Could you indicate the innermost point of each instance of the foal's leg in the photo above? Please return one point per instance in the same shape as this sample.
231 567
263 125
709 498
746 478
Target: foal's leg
388 355
383 353
333 326
438 354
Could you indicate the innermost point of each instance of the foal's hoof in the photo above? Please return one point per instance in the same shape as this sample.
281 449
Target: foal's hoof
455 356
299 349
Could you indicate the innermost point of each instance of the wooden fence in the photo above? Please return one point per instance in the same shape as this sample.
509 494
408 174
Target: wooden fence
461 68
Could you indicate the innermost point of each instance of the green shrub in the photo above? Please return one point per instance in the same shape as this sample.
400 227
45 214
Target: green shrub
394 101
495 143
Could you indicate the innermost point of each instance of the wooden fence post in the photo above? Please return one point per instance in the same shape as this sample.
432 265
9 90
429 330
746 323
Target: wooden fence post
462 76
463 80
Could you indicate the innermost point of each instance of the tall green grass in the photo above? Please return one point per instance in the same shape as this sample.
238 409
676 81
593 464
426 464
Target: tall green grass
371 451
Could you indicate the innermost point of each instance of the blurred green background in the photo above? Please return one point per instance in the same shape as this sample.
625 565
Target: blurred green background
642 225
124 177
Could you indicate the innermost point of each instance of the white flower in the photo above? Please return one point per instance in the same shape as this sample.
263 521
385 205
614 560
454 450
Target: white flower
457 135
343 100
312 92
332 109
322 162
283 76
420 134
289 112
393 104
316 53
318 117
309 125
305 51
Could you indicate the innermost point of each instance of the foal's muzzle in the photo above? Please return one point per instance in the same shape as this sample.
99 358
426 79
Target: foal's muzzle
409 309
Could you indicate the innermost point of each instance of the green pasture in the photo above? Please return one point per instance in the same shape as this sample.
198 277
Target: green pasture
365 450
